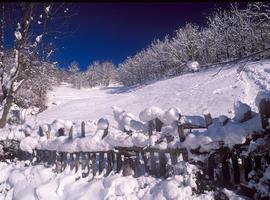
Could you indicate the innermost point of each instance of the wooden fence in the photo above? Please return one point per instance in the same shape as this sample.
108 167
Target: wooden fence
225 166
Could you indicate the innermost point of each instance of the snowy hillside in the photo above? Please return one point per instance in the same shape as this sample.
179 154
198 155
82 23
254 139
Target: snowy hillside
191 93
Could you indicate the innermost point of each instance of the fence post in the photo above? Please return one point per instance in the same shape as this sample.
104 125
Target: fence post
181 134
162 164
225 168
70 134
153 163
159 124
146 166
83 128
127 168
208 119
264 110
247 161
150 127
173 156
110 162
119 161
64 161
137 165
93 162
211 166
257 159
101 163
106 132
236 169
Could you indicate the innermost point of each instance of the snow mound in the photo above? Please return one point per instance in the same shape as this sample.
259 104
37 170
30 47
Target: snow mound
170 116
151 113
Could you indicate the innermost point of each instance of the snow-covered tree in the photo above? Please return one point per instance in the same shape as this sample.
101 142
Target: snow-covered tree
33 26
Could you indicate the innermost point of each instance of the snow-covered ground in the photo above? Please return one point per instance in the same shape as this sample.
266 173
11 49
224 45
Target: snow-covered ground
191 94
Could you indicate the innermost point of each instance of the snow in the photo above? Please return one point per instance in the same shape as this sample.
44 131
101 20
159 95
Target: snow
151 113
240 109
28 144
102 124
47 9
38 38
129 109
170 116
18 35
193 66
38 182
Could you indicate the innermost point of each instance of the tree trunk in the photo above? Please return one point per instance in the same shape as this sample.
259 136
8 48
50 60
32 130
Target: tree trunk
6 109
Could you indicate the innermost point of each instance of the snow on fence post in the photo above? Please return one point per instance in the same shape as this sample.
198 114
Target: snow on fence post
70 134
264 110
83 128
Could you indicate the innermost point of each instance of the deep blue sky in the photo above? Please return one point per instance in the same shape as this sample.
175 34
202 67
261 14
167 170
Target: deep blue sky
113 31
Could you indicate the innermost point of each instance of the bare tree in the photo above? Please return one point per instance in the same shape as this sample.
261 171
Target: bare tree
33 25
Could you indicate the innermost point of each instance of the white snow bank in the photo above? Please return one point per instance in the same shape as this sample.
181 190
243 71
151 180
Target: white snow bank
38 182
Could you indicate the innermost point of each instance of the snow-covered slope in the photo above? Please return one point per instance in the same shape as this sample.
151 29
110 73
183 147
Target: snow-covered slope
191 93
